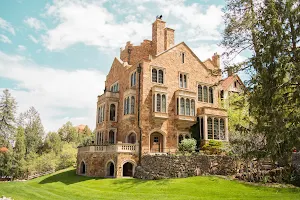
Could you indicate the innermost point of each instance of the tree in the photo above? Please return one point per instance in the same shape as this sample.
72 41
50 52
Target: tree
19 153
34 129
67 156
270 30
68 133
52 143
8 107
86 131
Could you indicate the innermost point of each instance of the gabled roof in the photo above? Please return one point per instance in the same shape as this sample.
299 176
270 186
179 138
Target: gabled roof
188 48
229 80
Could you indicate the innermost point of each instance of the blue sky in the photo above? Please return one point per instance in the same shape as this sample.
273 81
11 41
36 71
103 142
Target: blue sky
54 55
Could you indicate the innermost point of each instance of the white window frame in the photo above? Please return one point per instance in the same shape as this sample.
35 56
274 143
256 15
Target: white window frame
115 84
154 102
157 78
187 78
133 83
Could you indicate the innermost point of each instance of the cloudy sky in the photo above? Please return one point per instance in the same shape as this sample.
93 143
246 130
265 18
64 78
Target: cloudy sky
54 55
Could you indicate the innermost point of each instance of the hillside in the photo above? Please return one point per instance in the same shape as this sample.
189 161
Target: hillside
67 185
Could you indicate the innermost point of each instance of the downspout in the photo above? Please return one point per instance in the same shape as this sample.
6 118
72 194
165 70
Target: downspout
139 70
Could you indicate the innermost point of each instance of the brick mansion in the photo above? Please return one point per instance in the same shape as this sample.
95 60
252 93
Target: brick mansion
154 94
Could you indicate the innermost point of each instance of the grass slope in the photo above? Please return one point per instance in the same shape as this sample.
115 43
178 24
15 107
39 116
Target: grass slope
67 185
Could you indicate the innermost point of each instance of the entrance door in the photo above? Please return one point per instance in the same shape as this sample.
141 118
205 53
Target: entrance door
156 142
128 169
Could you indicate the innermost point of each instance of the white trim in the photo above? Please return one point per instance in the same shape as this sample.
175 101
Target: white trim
157 75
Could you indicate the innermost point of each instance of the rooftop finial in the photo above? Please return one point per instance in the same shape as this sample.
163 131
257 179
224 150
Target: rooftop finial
158 16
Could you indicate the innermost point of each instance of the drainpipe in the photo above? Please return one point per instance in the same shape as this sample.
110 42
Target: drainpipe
139 70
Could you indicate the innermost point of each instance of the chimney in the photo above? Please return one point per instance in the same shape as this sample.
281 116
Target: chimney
216 59
158 36
169 38
229 71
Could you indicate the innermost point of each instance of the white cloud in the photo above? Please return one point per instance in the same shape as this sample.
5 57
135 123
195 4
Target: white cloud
7 26
33 39
91 24
35 23
21 48
5 39
58 95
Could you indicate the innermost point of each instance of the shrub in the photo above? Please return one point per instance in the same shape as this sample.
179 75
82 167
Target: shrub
187 145
67 156
213 147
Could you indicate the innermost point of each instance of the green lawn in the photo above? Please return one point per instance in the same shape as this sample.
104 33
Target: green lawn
66 185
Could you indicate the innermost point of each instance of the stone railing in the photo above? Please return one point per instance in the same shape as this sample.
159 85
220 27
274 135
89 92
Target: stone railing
118 148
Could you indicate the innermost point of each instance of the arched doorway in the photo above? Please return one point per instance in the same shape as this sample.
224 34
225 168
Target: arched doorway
131 138
82 168
110 170
128 169
156 142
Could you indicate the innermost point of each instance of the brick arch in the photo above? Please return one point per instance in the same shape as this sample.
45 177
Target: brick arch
162 133
130 132
132 162
82 166
107 169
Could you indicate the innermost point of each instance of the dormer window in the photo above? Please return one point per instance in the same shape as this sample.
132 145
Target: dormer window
157 75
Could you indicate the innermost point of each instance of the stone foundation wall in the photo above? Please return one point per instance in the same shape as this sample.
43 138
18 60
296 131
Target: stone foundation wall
172 166
96 163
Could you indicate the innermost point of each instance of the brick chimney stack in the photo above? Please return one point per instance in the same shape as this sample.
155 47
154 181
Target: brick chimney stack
169 38
158 36
216 59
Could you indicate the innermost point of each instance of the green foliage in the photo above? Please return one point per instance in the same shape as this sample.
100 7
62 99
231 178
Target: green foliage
67 156
19 153
8 108
187 145
213 147
68 133
271 31
52 143
6 162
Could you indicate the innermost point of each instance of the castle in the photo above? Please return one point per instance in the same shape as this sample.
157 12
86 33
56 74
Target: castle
154 93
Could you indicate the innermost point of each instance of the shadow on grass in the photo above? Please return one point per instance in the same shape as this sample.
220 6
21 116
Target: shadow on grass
67 177
127 183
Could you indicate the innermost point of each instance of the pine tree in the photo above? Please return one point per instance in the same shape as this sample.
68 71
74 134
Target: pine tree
8 107
19 153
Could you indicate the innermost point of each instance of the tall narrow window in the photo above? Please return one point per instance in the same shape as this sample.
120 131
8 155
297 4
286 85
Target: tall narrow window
154 75
216 129
185 81
99 115
163 103
134 79
158 103
128 105
132 105
153 102
182 106
211 95
112 113
193 107
222 95
181 80
180 138
187 107
209 128
205 97
177 104
103 112
199 93
125 106
160 76
222 129
111 137
182 57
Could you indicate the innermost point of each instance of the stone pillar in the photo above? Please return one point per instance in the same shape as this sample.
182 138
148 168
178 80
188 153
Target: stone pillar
226 129
205 127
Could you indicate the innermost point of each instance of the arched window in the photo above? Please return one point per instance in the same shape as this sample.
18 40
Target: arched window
209 128
222 129
181 80
184 81
134 78
132 105
163 102
154 75
205 97
112 113
182 106
216 129
160 76
199 93
158 103
111 137
187 107
193 107
100 138
131 138
180 138
211 95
